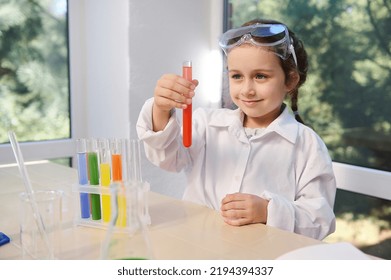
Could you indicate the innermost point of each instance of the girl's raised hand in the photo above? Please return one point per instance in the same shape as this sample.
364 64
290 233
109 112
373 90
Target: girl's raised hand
173 91
239 209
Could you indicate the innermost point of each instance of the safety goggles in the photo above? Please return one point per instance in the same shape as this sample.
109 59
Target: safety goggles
274 36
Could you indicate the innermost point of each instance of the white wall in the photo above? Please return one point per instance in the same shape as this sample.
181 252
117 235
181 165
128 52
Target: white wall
125 46
162 35
122 47
165 33
106 57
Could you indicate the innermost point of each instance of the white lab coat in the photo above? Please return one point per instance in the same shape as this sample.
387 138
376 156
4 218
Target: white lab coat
287 164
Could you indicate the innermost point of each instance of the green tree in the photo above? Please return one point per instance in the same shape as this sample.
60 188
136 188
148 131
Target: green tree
34 89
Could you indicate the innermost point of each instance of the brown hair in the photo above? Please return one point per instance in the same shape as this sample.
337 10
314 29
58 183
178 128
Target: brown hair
289 66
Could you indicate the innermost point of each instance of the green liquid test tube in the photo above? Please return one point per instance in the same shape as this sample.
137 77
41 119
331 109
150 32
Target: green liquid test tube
93 170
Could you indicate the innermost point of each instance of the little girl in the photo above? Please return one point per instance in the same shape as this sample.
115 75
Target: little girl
258 163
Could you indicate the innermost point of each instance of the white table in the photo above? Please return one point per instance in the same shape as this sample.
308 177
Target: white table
179 229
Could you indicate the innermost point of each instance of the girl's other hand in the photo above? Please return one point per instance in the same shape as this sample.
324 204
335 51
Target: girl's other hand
239 209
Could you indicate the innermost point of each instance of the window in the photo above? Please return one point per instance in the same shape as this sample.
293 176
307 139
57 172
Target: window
34 75
34 70
346 98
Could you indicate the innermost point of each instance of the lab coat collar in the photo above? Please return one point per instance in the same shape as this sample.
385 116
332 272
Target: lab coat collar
285 125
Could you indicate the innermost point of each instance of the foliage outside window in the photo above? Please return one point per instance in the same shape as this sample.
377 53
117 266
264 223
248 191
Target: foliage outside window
347 96
34 88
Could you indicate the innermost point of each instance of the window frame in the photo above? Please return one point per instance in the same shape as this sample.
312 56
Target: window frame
368 181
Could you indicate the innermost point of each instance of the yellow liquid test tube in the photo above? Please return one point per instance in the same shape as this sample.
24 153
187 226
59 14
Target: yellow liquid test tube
105 177
105 182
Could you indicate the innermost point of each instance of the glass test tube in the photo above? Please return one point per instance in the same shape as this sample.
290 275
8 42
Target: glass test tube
81 150
92 155
116 159
105 177
135 161
116 148
187 113
136 176
126 159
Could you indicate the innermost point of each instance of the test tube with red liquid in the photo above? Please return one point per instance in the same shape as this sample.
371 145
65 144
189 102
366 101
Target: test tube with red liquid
187 113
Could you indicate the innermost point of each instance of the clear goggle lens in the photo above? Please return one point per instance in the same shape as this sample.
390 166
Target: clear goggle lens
275 36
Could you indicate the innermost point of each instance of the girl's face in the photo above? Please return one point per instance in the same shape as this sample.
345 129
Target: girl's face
257 84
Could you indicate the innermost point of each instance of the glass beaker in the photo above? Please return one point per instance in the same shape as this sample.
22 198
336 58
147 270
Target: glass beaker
34 244
131 242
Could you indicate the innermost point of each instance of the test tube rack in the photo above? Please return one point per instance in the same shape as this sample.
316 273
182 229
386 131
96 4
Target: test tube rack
142 200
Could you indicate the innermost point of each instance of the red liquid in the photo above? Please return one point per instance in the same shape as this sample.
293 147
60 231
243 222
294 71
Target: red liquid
187 113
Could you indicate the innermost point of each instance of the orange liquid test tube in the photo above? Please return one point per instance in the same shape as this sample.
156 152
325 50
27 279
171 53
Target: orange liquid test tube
116 169
187 113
